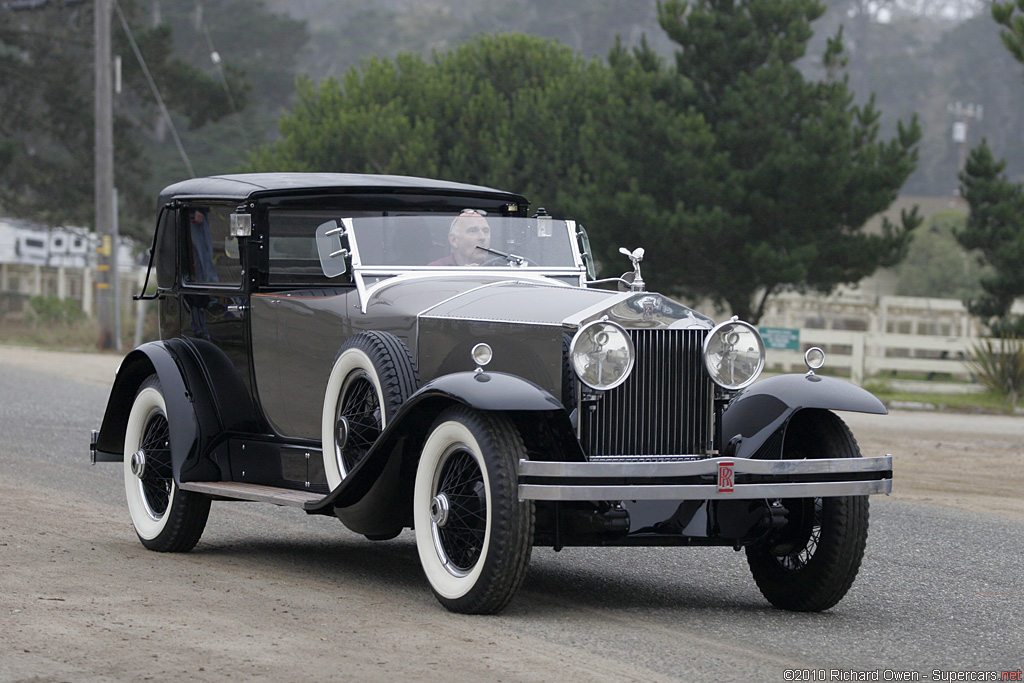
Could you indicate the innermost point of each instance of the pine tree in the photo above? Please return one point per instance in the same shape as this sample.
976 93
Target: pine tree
804 167
995 226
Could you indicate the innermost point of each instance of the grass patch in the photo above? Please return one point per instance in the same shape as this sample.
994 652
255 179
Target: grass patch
80 335
989 402
59 324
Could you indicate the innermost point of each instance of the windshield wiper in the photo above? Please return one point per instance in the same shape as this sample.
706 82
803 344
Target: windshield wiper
511 258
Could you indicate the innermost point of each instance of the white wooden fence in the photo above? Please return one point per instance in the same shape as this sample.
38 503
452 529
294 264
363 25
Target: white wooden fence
914 343
880 355
20 281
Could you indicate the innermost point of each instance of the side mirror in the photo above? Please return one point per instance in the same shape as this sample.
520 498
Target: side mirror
330 248
625 283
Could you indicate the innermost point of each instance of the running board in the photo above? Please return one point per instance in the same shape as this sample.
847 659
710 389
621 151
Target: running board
255 492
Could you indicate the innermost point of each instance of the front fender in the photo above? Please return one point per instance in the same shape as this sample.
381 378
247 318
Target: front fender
381 473
757 412
488 391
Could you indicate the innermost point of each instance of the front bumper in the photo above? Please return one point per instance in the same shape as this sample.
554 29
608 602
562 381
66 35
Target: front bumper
704 479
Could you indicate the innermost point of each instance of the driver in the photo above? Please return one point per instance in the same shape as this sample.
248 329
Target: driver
468 231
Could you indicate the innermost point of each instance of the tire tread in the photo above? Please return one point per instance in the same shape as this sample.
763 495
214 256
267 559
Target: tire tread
836 561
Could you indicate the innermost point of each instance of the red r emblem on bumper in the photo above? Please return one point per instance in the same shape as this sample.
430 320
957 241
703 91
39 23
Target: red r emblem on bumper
725 473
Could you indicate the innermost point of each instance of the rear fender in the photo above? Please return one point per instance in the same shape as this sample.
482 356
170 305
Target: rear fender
759 412
203 394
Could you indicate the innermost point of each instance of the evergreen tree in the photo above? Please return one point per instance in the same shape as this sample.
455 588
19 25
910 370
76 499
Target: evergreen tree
1010 16
995 226
46 123
738 176
804 168
500 110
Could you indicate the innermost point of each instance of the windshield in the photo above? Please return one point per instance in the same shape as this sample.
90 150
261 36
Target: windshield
469 239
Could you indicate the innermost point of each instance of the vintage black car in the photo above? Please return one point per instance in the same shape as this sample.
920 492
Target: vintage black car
410 353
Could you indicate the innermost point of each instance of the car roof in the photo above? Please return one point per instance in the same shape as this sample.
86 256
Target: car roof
244 185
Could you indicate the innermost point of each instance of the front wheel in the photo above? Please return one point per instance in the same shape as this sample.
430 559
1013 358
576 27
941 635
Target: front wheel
166 518
372 377
473 534
812 562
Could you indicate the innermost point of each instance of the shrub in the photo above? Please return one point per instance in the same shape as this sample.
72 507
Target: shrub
1000 367
52 310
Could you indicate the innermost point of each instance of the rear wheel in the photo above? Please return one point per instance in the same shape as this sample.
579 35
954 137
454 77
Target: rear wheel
166 518
810 564
473 534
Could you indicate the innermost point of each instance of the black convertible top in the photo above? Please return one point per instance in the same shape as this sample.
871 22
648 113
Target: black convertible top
241 186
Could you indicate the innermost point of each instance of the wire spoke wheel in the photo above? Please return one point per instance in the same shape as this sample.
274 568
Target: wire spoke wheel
166 518
800 556
473 534
371 378
459 537
359 420
158 478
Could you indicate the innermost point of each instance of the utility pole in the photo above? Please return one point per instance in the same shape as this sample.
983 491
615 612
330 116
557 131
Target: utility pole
963 114
106 276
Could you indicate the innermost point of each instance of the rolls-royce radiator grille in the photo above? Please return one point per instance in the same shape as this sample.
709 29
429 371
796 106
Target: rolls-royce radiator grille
663 409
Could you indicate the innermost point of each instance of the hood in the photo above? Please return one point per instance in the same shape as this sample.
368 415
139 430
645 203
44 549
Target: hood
550 304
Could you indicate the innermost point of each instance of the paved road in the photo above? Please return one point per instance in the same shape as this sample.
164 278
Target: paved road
272 593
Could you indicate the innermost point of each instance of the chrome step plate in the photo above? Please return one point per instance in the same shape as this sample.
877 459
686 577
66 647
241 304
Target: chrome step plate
255 492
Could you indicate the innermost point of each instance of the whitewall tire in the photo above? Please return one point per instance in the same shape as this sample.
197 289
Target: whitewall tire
166 518
473 534
371 379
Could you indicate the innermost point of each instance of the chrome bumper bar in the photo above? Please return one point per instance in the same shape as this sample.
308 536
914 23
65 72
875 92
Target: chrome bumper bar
707 479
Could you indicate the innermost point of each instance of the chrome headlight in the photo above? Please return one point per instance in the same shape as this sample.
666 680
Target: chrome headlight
734 354
602 355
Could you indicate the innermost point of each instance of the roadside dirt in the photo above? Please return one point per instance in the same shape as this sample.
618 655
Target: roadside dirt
957 460
96 368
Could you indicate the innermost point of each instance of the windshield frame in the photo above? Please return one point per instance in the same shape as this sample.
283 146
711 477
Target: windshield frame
369 278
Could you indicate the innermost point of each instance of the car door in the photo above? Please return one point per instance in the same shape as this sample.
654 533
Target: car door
300 318
215 301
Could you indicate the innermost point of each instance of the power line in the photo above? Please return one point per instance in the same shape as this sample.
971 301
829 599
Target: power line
156 91
216 59
31 5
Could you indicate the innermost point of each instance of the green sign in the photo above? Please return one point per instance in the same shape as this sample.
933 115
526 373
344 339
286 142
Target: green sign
781 338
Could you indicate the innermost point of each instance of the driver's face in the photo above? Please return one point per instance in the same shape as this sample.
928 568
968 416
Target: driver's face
470 231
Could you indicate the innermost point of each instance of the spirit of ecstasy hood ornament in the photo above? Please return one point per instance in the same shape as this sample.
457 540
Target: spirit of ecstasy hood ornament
636 256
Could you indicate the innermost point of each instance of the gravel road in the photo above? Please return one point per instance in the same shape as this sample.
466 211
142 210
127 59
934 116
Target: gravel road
273 594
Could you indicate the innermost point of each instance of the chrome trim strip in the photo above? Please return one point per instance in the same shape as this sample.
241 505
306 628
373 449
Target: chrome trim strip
706 466
705 491
427 310
496 321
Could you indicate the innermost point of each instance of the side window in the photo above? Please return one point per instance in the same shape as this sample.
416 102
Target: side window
212 255
293 257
